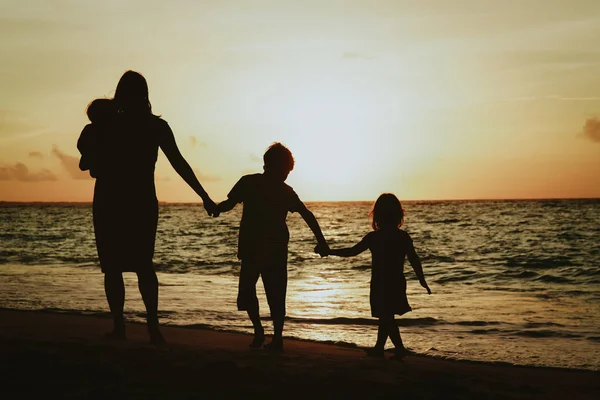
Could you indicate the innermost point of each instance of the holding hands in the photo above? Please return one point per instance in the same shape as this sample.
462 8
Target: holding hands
211 207
323 249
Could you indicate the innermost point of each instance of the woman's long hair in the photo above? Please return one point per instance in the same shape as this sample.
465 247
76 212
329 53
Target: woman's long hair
132 93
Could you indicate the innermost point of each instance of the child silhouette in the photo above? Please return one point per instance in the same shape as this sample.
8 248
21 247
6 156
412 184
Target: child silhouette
264 236
100 113
389 247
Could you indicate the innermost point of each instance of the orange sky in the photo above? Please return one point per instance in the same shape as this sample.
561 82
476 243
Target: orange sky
435 100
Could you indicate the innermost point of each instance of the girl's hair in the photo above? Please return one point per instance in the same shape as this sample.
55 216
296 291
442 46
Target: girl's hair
387 212
132 93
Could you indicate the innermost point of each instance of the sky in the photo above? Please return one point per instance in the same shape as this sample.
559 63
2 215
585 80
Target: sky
430 100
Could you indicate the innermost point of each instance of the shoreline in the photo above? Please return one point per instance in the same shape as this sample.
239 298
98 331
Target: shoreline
350 345
64 354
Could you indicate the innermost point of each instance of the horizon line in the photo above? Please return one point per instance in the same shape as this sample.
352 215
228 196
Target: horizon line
3 202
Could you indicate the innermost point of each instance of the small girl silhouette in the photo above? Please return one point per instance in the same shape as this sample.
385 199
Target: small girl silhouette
389 247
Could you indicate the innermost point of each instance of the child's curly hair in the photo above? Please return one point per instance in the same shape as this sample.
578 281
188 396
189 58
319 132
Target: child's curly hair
278 157
387 212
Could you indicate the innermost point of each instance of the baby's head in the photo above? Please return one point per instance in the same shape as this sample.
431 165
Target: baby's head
100 111
387 212
278 161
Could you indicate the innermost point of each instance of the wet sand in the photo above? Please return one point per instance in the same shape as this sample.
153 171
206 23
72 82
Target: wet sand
62 355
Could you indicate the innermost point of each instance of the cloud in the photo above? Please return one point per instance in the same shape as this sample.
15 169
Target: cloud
206 177
349 55
36 154
70 164
591 129
20 172
195 142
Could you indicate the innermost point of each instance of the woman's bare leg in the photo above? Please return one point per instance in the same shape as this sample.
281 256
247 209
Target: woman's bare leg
148 285
114 287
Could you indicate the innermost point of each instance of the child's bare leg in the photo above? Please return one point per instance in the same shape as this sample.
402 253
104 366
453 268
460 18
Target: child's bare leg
276 344
114 288
382 334
278 322
248 301
395 335
254 316
259 331
275 282
401 351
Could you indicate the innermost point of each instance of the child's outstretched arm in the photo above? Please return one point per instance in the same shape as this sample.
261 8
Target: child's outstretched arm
236 195
415 262
351 251
226 205
313 224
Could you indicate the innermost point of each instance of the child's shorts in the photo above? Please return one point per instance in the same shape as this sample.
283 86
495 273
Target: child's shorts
274 277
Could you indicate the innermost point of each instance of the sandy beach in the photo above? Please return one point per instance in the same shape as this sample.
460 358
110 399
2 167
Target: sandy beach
61 355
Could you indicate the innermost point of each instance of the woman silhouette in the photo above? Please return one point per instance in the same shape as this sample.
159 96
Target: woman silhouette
125 149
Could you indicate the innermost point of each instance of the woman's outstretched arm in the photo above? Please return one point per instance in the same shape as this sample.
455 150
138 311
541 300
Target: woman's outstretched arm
181 166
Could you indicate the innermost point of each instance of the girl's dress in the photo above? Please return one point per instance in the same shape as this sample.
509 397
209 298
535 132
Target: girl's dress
389 248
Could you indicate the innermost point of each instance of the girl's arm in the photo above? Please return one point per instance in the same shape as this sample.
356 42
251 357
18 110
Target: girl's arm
351 251
181 166
415 262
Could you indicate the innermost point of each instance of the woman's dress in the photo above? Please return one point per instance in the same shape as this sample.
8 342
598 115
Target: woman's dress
125 206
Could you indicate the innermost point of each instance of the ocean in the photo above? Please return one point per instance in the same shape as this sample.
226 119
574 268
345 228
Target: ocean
512 281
